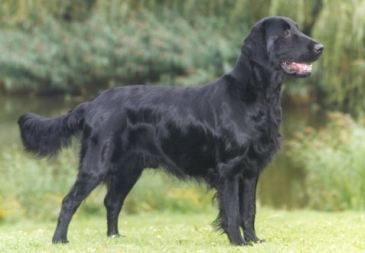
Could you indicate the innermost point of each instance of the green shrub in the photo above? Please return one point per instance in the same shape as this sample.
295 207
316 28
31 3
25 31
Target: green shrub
334 161
20 13
74 46
77 46
79 56
34 188
342 67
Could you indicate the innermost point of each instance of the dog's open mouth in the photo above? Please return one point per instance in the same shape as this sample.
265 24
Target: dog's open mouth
296 68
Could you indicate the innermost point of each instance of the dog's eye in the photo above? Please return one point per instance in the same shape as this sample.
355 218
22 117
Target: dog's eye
286 33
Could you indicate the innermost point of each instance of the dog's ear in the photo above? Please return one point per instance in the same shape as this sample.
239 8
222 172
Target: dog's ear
255 44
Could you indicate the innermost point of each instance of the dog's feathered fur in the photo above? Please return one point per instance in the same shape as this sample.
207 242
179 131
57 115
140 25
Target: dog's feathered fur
224 132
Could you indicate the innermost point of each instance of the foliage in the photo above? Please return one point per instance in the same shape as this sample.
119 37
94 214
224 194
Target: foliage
77 46
29 187
34 188
26 13
304 12
73 46
342 67
296 231
334 162
74 57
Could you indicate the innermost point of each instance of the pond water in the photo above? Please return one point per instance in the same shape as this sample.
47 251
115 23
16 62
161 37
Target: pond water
281 184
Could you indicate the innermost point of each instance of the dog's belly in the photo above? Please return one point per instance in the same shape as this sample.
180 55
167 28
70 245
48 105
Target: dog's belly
192 152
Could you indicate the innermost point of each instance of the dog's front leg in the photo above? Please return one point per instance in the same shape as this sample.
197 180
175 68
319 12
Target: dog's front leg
247 202
229 216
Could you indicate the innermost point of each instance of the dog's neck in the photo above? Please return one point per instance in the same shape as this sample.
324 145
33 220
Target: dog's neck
250 74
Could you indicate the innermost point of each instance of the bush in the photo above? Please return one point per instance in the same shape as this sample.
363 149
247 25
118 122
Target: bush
342 67
77 46
71 46
34 188
31 187
75 57
334 162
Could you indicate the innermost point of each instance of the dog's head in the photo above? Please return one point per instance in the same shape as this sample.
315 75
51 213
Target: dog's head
277 43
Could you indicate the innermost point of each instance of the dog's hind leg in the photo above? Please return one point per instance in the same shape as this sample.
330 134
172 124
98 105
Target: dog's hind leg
118 185
91 173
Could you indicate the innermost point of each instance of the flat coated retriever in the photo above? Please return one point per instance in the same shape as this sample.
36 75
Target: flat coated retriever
223 133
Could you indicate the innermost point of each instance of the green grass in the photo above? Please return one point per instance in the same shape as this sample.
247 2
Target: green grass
284 231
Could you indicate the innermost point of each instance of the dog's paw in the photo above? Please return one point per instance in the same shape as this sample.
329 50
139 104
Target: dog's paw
59 241
114 236
253 238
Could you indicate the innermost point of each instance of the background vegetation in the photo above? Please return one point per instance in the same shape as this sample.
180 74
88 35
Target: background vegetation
334 162
77 47
34 189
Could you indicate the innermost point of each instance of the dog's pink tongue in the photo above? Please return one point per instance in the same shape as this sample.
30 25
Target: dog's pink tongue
300 68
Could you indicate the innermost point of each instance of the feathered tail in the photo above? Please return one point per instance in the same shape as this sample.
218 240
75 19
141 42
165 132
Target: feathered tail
46 136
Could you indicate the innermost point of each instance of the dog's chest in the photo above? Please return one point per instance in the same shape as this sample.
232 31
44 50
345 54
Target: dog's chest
265 118
256 133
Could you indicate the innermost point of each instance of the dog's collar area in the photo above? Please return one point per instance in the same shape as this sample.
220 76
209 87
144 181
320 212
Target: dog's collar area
297 68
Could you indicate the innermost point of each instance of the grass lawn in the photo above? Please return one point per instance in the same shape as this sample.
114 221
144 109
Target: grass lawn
296 231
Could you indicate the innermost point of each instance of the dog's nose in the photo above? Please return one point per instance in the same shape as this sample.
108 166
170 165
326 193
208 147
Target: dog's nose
318 48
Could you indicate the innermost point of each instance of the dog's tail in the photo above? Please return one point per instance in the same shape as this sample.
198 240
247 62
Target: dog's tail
46 136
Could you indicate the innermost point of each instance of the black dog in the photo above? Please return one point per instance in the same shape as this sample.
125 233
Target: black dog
224 132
